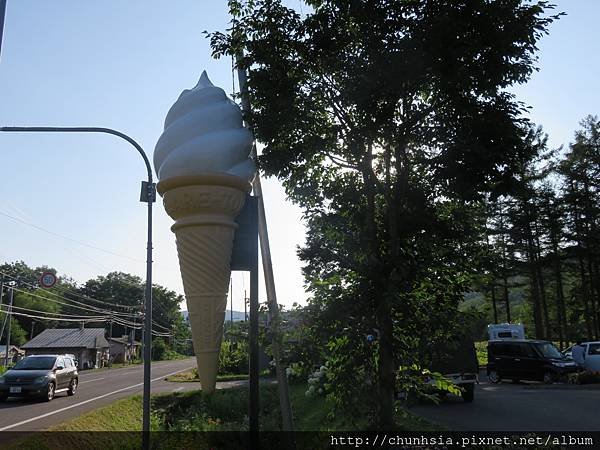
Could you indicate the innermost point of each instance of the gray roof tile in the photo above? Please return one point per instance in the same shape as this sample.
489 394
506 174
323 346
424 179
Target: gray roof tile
69 337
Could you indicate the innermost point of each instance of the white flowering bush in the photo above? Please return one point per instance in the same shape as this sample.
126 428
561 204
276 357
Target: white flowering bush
294 372
316 382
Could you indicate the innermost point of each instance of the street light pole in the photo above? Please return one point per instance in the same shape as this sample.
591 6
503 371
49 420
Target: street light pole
148 195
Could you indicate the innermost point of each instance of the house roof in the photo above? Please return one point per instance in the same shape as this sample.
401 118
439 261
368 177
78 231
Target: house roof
69 338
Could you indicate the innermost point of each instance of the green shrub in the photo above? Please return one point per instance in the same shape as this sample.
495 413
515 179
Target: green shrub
233 358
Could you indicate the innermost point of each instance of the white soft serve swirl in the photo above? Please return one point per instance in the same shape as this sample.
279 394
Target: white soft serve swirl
204 133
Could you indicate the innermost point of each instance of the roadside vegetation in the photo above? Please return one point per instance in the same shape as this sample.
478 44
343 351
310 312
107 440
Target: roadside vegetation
191 376
225 410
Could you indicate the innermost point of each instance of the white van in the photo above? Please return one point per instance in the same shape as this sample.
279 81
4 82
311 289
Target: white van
506 331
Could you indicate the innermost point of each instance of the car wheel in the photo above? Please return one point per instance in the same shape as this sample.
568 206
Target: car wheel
49 392
494 376
548 378
469 393
72 387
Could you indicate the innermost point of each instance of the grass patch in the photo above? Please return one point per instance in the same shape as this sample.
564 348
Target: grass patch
191 376
113 420
122 415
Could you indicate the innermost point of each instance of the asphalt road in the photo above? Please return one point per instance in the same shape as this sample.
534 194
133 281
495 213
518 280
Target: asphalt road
519 407
96 388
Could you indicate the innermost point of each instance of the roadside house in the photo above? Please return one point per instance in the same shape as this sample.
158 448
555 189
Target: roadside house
122 350
14 354
88 345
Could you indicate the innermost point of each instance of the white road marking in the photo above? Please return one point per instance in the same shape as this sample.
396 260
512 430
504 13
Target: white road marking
51 413
178 389
89 381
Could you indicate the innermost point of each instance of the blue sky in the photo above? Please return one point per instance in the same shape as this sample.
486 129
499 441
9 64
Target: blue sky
121 65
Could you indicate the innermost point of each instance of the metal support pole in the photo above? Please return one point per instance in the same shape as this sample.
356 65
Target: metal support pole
10 297
253 407
2 15
265 251
148 195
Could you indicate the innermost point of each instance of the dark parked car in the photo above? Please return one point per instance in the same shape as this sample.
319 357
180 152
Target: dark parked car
526 360
40 376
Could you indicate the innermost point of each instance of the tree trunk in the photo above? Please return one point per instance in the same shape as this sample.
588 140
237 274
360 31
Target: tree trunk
585 297
561 310
386 370
494 307
506 297
533 283
593 295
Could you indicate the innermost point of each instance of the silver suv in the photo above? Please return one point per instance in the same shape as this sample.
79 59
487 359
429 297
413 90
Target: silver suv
40 376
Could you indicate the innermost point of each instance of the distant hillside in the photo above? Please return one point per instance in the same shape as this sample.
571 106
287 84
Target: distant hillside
237 315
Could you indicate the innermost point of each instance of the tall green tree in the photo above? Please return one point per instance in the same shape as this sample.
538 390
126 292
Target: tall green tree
580 170
387 121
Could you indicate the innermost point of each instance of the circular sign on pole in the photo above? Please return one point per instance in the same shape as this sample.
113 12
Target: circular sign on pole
48 279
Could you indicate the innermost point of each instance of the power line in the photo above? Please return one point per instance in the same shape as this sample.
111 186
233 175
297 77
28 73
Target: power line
29 224
84 308
51 313
54 318
85 297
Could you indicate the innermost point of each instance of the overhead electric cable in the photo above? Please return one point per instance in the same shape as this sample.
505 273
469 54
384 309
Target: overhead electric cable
91 309
29 224
52 313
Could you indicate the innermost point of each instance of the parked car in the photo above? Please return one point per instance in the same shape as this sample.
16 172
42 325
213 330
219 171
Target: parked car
524 359
40 376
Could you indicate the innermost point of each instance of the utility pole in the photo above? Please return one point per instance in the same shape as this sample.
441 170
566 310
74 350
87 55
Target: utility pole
245 306
1 286
265 251
231 303
32 327
6 317
110 328
10 300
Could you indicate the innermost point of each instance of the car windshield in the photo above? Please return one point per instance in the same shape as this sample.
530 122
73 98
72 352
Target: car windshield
549 351
44 362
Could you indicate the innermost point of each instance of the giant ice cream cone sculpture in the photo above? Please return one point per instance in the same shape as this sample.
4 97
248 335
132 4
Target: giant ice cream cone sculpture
203 164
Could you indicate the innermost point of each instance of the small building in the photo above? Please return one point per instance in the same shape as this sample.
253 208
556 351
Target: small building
14 354
88 345
123 350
